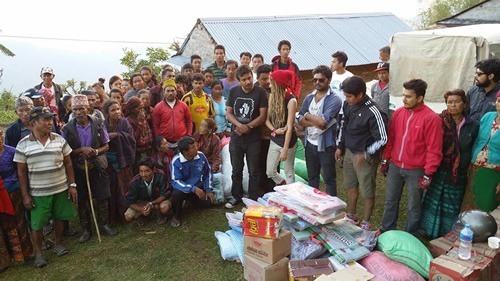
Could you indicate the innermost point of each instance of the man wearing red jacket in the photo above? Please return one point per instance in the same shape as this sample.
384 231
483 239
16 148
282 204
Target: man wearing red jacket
284 62
171 117
412 155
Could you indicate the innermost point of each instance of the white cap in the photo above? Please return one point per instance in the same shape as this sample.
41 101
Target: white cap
47 70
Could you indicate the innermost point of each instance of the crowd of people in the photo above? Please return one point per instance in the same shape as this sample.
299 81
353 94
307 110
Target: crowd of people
153 146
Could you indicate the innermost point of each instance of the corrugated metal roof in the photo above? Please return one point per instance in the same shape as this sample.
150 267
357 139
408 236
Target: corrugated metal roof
313 37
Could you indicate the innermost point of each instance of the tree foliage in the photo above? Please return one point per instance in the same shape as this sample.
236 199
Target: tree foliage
74 87
4 50
436 10
155 58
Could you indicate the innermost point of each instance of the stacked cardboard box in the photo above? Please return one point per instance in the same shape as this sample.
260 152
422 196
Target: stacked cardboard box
484 263
266 259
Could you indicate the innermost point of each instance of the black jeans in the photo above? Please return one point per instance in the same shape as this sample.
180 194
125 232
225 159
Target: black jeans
238 152
321 161
178 198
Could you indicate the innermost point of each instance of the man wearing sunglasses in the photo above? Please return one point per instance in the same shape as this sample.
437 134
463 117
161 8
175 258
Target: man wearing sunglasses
318 114
482 95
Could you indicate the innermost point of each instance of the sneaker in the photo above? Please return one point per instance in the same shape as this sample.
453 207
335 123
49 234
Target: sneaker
351 218
365 225
231 203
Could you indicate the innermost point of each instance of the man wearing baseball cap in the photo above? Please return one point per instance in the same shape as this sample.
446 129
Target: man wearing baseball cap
380 89
50 189
52 91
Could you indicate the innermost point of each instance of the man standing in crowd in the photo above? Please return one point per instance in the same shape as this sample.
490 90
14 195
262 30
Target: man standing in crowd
247 111
414 149
191 179
384 54
218 67
264 81
339 74
230 81
209 78
482 95
89 139
52 92
45 157
199 103
245 58
257 60
284 62
171 117
318 115
188 70
156 92
196 62
92 111
364 134
380 89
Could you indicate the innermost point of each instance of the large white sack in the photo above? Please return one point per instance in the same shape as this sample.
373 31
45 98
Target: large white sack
227 170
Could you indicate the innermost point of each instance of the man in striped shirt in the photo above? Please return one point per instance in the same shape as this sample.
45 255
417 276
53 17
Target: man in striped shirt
45 156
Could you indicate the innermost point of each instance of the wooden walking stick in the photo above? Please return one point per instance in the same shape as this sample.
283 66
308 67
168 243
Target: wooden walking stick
90 199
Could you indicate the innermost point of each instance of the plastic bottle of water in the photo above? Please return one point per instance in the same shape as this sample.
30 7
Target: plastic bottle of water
465 243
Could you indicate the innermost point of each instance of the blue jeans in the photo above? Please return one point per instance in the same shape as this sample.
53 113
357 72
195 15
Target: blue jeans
396 179
323 162
237 152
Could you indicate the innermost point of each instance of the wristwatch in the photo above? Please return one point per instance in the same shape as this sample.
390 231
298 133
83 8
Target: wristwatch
73 185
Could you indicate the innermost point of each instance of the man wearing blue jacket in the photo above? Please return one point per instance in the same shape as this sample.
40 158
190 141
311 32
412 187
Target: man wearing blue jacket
191 179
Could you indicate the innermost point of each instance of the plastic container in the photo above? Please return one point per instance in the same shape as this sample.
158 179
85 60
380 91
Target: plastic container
464 250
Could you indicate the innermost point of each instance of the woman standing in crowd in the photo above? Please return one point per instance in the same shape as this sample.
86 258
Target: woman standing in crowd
162 156
483 190
145 97
137 85
134 112
219 103
126 85
115 82
13 225
120 157
117 95
148 76
442 200
22 126
280 120
65 110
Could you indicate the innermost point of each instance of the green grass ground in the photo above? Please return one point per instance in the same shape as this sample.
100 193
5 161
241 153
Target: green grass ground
158 252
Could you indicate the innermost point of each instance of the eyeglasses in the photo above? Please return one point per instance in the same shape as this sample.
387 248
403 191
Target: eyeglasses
478 73
320 80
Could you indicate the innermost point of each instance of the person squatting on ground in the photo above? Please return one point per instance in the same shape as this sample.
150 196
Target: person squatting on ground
191 179
149 191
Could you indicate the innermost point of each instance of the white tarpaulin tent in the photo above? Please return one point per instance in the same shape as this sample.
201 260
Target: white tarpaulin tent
444 58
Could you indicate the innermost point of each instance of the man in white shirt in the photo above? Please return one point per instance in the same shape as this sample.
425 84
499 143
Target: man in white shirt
339 74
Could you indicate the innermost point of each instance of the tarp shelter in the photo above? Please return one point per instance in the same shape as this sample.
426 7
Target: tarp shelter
444 58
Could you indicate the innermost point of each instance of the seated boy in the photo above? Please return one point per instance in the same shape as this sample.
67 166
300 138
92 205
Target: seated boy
149 190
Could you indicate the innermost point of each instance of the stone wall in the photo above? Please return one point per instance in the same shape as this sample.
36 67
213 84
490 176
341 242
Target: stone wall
200 43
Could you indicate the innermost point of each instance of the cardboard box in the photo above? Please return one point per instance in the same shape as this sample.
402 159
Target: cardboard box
440 246
484 250
448 268
309 270
268 250
257 270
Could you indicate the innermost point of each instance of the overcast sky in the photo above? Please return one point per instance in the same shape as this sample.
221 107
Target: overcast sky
128 21
162 21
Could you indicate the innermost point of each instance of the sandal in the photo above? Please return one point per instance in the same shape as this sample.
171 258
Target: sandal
60 250
175 223
40 262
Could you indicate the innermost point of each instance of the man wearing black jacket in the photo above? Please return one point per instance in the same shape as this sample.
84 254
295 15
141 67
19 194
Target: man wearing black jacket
363 135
